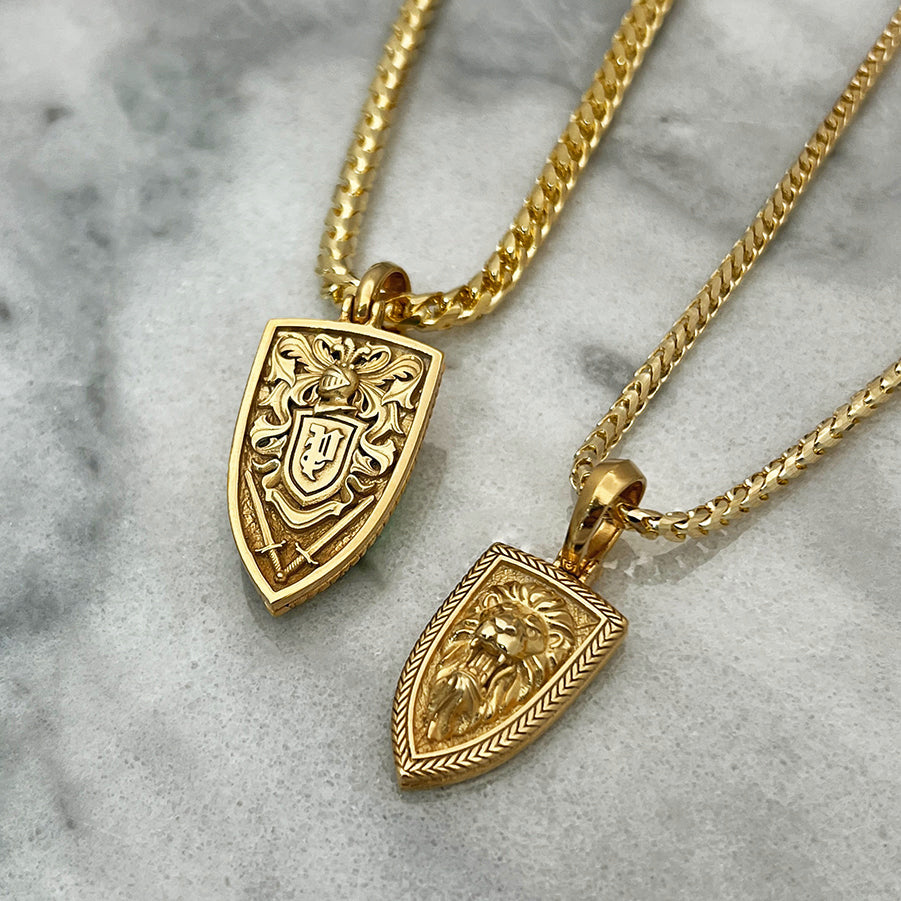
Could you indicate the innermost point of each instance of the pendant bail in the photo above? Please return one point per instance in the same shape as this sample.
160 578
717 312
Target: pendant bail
596 523
378 286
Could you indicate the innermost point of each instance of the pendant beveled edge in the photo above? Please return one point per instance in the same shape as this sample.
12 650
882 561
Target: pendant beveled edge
279 602
495 747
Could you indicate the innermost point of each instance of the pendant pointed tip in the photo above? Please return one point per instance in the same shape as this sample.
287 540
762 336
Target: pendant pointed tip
409 777
268 597
405 779
275 604
410 781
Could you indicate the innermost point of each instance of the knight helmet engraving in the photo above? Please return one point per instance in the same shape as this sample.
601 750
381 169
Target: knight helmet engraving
330 425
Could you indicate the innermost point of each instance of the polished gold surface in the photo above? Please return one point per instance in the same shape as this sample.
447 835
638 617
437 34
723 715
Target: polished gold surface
595 525
514 643
507 645
505 654
757 488
463 704
484 291
329 428
327 434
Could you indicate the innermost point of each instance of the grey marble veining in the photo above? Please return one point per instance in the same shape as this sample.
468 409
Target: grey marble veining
164 171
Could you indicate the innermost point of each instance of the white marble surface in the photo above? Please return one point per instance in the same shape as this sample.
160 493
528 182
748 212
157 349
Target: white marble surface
164 170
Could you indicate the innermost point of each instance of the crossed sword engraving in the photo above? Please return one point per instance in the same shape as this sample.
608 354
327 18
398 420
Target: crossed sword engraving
304 556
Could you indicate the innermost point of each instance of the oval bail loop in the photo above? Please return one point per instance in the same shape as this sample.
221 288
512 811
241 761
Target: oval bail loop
378 286
596 523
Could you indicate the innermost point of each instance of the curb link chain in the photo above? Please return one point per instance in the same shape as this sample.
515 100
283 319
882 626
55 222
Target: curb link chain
484 291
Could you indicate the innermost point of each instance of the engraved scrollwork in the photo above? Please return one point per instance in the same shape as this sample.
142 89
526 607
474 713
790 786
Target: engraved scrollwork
330 422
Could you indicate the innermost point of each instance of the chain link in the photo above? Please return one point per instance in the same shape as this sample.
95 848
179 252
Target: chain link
484 291
718 512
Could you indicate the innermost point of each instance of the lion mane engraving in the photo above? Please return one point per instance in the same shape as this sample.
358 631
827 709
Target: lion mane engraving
516 637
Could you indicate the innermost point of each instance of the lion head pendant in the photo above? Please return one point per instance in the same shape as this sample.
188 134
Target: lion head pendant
510 648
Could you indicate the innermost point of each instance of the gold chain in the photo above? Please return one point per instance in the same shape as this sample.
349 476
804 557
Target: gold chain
718 512
484 291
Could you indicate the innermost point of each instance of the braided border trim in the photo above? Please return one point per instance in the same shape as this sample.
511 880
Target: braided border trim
495 747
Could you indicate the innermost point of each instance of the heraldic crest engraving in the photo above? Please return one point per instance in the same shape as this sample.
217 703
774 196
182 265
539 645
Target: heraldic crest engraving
323 449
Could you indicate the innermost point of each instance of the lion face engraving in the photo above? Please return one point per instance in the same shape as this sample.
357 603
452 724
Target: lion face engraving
514 640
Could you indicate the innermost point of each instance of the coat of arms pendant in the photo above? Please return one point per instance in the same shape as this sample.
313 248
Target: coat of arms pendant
329 427
511 647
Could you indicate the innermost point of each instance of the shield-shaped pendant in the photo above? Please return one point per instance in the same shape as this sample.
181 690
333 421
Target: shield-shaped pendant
511 647
330 424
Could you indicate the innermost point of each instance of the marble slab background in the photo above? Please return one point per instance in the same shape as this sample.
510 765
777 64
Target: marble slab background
164 171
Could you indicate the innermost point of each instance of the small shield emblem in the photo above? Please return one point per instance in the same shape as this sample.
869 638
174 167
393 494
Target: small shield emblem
511 647
330 424
320 451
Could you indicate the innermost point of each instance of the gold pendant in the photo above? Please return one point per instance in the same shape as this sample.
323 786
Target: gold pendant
511 647
329 427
